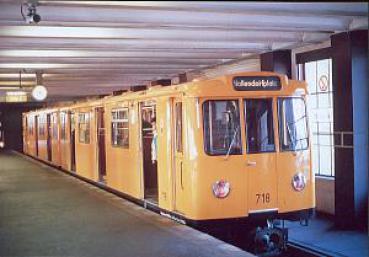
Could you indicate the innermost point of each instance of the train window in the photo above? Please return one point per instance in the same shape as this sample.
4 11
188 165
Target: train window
293 132
259 125
120 128
63 132
84 127
222 127
179 147
55 126
41 128
30 126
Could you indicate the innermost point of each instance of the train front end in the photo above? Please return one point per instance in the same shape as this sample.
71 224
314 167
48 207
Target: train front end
253 158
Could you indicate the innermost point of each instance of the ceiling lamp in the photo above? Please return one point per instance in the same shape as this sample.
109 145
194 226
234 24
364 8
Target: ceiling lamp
39 92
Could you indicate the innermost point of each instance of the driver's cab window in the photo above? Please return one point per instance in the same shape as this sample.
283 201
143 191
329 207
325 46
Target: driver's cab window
259 125
293 124
222 127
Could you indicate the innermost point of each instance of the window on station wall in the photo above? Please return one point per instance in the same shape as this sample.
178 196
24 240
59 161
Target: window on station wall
120 128
318 75
84 127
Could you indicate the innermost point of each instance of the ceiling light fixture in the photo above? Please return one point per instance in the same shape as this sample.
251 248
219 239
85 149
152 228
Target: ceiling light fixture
39 92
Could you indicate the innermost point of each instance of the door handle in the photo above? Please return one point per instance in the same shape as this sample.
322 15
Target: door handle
251 163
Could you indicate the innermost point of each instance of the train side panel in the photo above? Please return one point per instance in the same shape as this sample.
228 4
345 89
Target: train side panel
42 136
204 170
55 143
31 135
86 143
122 163
65 145
166 167
24 133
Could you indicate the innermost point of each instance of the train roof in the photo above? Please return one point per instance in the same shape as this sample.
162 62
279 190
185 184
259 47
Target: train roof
222 86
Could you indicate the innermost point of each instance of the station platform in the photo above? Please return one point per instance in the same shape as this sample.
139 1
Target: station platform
44 212
322 236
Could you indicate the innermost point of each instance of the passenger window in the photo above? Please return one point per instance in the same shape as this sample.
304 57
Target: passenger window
222 127
179 147
120 128
84 127
55 126
63 121
41 128
30 126
293 132
259 125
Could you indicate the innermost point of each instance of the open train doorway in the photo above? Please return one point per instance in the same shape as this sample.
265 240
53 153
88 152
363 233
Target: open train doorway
72 141
101 159
149 151
49 137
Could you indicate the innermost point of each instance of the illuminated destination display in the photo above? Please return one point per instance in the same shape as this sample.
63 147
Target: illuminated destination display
254 83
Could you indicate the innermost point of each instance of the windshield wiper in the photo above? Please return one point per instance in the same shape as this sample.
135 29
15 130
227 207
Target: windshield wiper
231 144
292 138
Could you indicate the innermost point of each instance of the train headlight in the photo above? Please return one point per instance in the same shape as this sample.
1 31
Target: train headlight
299 182
221 189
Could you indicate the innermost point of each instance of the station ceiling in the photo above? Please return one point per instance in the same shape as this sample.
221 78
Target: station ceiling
96 47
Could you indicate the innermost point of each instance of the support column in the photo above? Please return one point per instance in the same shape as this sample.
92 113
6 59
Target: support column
351 125
277 61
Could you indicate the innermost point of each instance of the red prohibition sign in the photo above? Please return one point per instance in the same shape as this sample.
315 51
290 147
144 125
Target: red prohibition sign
323 83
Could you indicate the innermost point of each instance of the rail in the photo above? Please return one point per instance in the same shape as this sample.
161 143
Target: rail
299 249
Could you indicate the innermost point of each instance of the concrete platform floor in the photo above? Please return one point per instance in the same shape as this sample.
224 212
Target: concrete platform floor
322 235
44 212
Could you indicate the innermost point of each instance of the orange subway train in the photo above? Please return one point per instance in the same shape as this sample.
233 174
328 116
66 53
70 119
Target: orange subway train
236 147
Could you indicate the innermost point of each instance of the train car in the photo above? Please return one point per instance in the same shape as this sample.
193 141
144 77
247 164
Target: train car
67 139
48 135
230 148
88 146
54 125
24 133
227 148
30 134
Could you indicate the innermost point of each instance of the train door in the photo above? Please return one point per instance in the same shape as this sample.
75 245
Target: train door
149 151
49 137
179 197
36 134
261 156
25 132
101 159
72 129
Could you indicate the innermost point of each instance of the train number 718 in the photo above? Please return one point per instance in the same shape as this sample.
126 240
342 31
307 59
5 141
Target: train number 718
263 198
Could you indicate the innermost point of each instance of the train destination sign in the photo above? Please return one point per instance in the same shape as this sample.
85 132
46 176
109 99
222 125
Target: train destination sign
254 83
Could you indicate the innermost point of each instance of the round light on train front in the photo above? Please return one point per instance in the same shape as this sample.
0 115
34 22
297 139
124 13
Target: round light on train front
299 182
221 189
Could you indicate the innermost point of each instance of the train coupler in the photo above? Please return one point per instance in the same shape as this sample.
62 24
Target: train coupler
270 240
